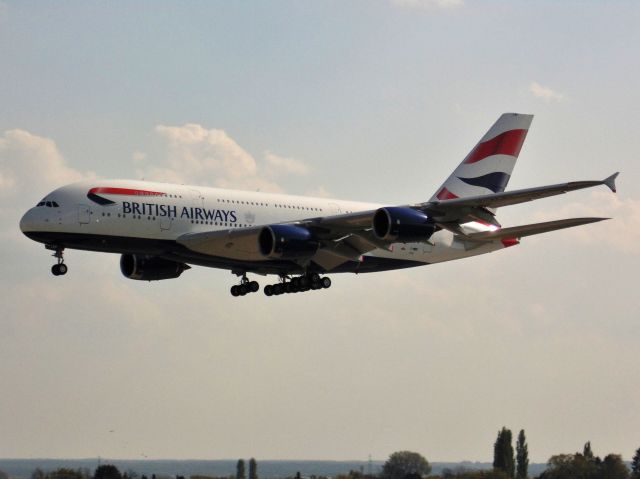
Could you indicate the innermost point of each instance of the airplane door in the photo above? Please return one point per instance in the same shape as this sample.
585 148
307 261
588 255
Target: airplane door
334 208
84 214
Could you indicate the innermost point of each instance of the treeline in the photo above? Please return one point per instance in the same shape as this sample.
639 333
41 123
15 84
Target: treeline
510 464
507 464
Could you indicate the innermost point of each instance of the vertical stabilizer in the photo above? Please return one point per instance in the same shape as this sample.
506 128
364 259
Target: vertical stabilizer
487 168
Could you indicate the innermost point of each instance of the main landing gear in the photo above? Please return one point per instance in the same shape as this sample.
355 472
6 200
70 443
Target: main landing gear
245 287
58 269
298 284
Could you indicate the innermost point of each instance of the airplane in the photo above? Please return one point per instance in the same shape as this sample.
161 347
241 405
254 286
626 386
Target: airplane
161 230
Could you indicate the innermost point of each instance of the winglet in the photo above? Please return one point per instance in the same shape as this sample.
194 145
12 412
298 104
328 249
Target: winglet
611 181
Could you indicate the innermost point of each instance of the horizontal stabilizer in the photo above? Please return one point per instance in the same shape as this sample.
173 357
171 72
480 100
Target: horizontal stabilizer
529 230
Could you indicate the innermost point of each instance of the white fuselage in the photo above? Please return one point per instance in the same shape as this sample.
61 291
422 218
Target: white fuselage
140 210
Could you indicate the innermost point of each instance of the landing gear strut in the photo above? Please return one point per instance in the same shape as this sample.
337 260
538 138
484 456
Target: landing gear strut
58 269
298 284
245 286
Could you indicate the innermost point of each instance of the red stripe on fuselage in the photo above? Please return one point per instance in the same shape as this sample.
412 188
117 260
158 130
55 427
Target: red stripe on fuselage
106 190
507 143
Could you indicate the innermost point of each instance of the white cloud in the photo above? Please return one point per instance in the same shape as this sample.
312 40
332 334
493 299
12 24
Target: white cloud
425 4
277 165
546 93
622 232
211 157
31 163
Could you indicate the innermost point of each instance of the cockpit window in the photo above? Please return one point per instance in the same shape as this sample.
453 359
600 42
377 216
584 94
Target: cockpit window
49 204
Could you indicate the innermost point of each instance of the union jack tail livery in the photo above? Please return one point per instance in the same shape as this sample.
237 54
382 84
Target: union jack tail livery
487 168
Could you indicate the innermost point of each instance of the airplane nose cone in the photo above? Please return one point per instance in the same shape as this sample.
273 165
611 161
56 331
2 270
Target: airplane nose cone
27 222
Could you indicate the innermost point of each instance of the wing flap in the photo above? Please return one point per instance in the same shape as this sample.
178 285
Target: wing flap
529 230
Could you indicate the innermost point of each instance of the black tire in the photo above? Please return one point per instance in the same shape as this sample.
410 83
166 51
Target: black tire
62 269
305 281
234 291
243 289
254 286
55 270
278 288
295 282
326 282
315 278
316 285
268 290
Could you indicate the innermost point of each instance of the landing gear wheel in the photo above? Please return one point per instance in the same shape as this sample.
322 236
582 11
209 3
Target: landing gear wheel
325 282
59 268
268 290
243 289
316 285
254 286
234 291
278 288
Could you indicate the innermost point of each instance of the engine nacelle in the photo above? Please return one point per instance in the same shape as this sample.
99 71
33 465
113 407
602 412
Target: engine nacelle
287 242
402 224
150 268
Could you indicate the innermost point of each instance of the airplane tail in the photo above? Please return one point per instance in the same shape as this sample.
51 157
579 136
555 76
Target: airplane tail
487 168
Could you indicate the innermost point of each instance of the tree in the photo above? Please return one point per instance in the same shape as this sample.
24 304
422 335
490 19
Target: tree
587 452
240 469
635 465
613 467
522 456
64 473
253 469
405 465
107 471
503 453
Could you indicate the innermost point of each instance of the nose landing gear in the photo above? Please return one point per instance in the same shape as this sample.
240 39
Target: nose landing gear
58 269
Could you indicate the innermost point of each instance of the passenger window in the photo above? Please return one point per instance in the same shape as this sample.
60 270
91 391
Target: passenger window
55 205
41 203
48 204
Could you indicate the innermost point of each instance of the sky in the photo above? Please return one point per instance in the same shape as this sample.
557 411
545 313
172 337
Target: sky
365 100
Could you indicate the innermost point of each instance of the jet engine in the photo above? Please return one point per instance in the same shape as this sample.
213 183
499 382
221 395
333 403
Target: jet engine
150 268
287 242
402 224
